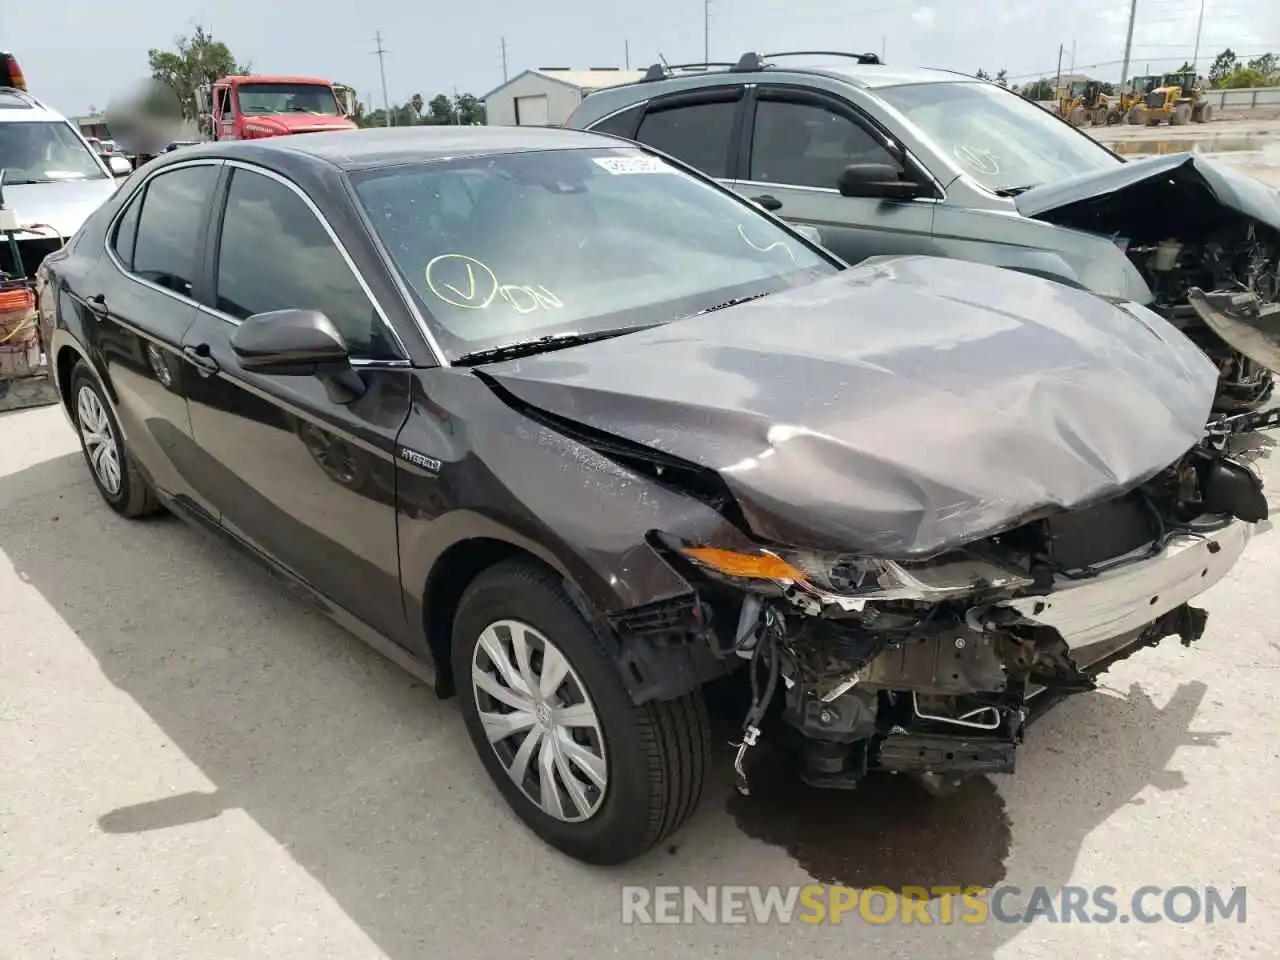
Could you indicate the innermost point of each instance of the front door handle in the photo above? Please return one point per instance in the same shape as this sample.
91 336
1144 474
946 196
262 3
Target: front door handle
198 357
97 306
769 203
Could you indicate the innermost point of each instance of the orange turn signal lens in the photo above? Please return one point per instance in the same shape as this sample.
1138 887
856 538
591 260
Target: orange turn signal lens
751 566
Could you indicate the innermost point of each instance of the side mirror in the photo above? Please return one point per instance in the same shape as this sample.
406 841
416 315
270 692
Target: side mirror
119 166
294 343
202 99
348 103
881 181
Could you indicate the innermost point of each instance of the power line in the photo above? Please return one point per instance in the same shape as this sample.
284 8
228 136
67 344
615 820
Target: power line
380 53
1046 74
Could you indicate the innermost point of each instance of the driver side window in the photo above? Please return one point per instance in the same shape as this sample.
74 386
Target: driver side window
274 254
806 145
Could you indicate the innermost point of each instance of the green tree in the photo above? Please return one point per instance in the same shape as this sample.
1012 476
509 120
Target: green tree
440 110
1242 78
982 75
469 109
1002 77
196 60
416 102
1224 64
1266 64
1041 89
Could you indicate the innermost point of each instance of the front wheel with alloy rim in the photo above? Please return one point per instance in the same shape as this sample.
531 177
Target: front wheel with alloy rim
110 465
592 774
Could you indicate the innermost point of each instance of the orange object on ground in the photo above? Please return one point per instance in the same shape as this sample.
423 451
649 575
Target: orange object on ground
19 333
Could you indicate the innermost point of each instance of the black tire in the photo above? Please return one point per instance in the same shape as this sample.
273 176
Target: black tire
134 498
656 754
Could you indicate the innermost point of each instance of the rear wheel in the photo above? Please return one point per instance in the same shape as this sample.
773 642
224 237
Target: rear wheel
1136 114
1206 114
591 774
112 468
1181 115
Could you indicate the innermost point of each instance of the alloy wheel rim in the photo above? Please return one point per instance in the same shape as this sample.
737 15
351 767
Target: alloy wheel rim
539 720
99 440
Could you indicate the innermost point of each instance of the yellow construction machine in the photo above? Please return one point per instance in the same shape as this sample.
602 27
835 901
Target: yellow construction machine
1081 103
1177 98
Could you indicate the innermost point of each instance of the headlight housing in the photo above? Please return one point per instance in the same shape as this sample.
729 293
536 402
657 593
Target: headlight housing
851 581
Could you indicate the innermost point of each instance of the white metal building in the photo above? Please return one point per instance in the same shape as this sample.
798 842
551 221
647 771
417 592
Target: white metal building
547 95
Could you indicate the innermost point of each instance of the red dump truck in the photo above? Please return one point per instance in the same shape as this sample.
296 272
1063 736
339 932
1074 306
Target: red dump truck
252 107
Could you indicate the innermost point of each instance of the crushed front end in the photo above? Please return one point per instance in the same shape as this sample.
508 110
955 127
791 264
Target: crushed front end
935 667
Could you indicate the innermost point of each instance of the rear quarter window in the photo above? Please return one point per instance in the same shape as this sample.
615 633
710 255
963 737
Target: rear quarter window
621 124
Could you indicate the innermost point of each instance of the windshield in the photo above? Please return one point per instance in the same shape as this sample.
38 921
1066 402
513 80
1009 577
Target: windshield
259 98
1001 140
504 249
44 152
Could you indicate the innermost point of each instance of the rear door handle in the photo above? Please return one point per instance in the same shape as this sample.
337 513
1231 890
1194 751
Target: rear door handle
198 357
769 203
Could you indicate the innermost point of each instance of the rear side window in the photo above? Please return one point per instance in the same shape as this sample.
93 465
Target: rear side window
127 231
699 134
168 232
620 124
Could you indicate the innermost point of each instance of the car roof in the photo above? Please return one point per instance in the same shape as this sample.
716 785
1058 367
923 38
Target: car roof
388 146
871 77
18 105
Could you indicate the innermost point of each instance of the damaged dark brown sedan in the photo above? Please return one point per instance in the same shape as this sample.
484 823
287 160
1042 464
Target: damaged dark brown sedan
580 433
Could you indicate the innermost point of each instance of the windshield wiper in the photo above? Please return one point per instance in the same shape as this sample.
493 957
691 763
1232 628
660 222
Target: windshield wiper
1014 191
552 341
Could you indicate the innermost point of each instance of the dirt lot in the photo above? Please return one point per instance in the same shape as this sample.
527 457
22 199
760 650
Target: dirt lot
1251 143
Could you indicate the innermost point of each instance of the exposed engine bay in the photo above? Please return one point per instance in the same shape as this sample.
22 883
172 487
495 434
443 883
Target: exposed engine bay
934 668
1236 259
1194 224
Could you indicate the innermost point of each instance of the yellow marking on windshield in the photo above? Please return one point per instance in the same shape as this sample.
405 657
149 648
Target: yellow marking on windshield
470 299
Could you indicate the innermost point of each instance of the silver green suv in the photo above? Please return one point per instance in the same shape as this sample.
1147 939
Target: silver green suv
883 160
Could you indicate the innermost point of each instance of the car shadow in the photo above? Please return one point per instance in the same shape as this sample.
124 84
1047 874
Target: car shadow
371 785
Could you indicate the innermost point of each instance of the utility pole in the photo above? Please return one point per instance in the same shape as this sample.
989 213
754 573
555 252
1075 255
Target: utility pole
1128 43
1072 71
1057 83
380 52
1195 57
626 54
882 39
504 59
706 31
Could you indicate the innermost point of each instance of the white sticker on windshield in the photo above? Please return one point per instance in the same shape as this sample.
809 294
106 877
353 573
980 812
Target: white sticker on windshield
621 165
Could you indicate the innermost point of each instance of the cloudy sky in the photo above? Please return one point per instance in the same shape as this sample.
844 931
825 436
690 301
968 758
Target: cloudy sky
77 53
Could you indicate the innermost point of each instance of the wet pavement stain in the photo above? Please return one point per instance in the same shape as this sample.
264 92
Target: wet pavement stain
889 832
1264 146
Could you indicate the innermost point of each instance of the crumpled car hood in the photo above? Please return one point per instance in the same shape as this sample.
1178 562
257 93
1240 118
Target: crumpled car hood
903 407
1232 188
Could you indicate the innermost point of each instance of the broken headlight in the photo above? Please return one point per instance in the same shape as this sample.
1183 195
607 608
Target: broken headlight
837 577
